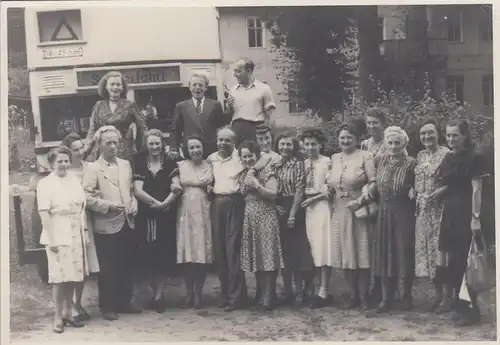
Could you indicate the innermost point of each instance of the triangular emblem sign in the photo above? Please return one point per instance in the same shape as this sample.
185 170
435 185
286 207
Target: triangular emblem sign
64 31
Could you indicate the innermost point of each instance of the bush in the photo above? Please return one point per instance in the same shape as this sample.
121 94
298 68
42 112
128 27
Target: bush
21 148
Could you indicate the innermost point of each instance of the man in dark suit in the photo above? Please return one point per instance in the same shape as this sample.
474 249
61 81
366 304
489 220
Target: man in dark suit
198 116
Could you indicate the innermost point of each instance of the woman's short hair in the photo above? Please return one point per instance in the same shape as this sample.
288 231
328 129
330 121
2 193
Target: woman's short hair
60 150
200 75
313 133
185 150
378 114
70 139
104 129
153 132
103 91
464 128
430 121
398 131
348 127
252 146
287 135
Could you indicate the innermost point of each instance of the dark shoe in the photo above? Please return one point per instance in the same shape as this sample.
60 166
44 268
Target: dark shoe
268 306
353 303
383 307
188 303
320 302
110 316
471 318
83 315
288 300
129 309
365 303
58 327
198 304
151 305
232 307
70 321
161 306
222 304
444 307
435 305
406 304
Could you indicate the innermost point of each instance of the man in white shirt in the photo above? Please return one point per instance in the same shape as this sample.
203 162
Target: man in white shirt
228 208
250 102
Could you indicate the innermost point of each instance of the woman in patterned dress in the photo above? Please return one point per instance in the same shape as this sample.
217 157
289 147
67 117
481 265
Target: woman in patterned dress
429 261
61 204
75 143
461 172
156 215
318 210
352 170
194 226
260 244
394 245
117 111
297 257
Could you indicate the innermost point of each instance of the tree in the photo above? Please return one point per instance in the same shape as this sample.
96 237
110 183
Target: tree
307 40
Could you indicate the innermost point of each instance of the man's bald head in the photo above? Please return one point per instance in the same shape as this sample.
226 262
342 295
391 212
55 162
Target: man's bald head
226 140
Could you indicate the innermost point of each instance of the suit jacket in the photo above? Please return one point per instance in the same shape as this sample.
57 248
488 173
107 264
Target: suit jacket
98 186
188 122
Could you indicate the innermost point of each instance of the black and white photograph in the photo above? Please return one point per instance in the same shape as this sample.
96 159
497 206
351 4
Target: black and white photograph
267 172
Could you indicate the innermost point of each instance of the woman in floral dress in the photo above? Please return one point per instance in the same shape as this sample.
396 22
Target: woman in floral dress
260 244
75 143
429 261
61 204
352 170
117 111
194 226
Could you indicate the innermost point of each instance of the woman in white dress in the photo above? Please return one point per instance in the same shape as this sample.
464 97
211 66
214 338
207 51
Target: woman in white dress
61 204
75 143
194 229
318 210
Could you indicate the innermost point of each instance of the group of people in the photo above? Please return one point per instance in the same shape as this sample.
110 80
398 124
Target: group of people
234 200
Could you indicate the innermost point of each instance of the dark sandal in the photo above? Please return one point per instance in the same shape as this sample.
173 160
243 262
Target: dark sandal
70 321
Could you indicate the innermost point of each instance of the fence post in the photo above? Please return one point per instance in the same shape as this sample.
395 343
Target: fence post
19 229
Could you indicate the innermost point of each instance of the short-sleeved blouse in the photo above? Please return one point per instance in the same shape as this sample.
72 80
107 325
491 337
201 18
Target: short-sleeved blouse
352 175
290 176
458 169
317 173
157 185
262 177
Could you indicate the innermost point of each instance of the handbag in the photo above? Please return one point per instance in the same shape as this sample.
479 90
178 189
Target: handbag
480 273
366 211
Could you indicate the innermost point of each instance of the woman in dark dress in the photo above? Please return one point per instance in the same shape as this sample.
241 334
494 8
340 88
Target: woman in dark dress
394 245
297 257
117 111
157 214
461 172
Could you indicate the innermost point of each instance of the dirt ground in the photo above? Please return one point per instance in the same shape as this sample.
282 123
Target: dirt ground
32 311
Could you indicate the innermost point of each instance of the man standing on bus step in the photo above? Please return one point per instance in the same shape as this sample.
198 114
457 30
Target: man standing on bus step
198 116
250 101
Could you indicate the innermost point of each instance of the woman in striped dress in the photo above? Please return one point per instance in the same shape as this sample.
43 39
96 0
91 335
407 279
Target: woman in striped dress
394 245
296 249
352 170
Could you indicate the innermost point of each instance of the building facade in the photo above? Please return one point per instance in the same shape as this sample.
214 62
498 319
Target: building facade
70 49
461 37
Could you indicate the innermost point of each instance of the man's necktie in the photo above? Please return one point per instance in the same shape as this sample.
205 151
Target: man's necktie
198 106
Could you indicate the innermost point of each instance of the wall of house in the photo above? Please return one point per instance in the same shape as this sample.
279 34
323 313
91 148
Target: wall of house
235 45
124 34
472 58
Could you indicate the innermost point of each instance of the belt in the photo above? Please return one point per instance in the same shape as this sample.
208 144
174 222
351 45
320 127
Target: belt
254 122
227 195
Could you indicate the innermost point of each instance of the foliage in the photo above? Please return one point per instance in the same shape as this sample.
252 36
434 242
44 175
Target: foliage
21 153
315 69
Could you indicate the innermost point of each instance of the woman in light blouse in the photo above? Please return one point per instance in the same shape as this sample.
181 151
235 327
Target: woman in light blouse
61 204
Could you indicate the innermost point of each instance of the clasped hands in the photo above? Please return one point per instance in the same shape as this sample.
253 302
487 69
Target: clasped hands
130 209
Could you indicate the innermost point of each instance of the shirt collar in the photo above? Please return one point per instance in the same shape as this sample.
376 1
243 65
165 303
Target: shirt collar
252 84
196 101
108 164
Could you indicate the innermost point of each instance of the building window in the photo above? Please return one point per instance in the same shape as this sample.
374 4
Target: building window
455 27
455 85
57 26
295 103
255 28
488 90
